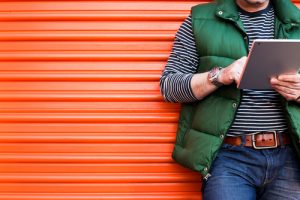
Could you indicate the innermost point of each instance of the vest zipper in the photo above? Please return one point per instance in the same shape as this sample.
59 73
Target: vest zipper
247 47
207 176
276 26
246 39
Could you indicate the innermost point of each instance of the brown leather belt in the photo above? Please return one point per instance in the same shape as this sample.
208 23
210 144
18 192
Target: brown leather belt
260 140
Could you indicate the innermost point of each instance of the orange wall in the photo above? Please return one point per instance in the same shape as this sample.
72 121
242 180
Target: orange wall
81 116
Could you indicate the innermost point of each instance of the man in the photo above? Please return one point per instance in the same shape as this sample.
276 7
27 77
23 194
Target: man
244 143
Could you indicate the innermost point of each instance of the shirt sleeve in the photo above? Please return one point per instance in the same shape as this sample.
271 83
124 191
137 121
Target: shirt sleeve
175 82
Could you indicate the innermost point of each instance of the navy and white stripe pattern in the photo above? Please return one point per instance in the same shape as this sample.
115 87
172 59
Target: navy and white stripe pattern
259 25
181 66
260 110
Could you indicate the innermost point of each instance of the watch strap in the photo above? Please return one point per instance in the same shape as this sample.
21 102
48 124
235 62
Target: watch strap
213 76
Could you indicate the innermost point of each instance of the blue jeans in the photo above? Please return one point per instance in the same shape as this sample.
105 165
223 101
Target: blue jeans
242 173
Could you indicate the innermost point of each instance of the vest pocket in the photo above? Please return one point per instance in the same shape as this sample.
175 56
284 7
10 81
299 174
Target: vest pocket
201 148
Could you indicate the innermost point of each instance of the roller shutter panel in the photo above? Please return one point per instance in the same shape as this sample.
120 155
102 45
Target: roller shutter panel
81 115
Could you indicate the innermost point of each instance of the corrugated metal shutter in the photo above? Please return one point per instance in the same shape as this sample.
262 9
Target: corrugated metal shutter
81 113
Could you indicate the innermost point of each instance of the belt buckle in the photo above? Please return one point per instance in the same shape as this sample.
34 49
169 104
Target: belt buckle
264 147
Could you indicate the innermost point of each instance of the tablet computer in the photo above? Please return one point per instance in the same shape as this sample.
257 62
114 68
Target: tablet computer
269 58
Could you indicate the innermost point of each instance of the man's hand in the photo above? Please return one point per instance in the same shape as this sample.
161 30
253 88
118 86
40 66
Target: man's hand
232 73
288 85
202 87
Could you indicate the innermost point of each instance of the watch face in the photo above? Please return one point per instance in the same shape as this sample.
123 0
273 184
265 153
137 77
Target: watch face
213 72
213 76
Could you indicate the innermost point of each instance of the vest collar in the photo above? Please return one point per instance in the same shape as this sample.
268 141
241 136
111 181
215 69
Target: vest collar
285 10
227 9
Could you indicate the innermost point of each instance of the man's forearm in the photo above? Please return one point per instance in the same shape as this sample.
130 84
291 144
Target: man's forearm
177 88
201 86
189 87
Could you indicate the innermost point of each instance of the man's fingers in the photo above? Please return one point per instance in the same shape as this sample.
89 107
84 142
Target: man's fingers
242 62
286 90
288 93
289 84
295 78
288 97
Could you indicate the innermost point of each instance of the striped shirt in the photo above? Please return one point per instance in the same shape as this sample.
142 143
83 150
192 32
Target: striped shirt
259 110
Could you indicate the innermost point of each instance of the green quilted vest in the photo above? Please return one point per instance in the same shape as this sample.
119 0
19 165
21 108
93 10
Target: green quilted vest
220 40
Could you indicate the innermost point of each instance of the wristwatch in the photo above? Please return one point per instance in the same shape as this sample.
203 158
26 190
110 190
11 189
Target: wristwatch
213 76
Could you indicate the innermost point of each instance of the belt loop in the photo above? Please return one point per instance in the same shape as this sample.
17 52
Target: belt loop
281 139
243 140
